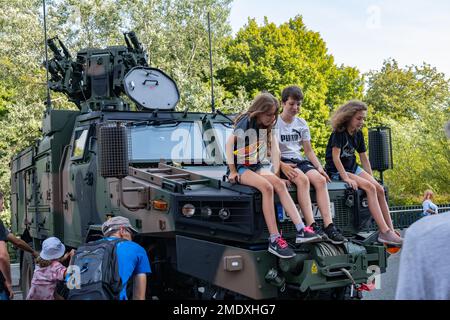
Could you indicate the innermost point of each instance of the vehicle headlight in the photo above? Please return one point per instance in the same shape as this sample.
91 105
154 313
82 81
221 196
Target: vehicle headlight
365 203
188 210
224 214
206 212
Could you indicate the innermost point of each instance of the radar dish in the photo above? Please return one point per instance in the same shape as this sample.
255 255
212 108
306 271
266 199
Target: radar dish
151 88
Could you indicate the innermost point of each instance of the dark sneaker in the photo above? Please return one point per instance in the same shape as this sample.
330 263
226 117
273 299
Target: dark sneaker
334 235
319 231
281 249
390 237
306 235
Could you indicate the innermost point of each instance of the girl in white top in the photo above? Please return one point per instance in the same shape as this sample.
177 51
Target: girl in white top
429 207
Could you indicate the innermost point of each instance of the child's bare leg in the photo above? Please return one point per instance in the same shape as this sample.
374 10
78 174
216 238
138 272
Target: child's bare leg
288 204
381 199
372 198
303 196
253 179
323 199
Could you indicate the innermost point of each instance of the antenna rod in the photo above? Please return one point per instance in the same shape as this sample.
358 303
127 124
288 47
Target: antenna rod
213 108
49 101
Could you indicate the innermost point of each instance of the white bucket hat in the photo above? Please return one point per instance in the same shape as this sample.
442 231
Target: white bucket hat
52 249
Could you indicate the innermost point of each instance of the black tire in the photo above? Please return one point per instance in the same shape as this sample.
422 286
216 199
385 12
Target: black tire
26 273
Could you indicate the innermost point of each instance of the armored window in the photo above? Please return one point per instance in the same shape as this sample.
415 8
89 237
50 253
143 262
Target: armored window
181 142
79 144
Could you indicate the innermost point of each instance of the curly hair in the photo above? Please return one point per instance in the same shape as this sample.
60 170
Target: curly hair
263 103
427 194
342 116
42 262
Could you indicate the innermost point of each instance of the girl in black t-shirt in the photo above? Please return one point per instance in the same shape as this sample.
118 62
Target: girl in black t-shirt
247 151
341 164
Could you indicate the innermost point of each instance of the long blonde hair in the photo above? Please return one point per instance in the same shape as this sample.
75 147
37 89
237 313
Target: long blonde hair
342 116
263 103
427 194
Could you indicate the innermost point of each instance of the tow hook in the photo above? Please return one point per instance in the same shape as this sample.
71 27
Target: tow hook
358 287
273 278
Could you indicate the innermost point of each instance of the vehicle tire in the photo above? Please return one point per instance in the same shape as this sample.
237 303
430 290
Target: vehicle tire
26 273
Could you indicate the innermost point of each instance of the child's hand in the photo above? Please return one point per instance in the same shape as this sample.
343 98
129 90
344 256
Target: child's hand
68 255
324 174
234 177
352 183
9 289
289 171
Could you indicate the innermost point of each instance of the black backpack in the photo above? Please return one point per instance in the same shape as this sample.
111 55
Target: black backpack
99 271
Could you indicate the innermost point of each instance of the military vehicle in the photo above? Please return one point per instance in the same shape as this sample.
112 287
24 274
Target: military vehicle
127 151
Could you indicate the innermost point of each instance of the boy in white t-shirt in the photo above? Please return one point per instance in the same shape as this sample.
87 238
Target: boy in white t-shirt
293 135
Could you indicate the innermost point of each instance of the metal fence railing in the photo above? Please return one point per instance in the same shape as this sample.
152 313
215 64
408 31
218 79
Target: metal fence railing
404 216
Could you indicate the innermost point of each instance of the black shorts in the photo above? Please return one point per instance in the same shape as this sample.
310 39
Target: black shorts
303 165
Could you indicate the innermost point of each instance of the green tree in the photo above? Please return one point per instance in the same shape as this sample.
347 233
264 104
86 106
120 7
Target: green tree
415 102
410 93
173 32
271 57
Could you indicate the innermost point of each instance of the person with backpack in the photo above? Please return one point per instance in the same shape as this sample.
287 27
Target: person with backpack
117 259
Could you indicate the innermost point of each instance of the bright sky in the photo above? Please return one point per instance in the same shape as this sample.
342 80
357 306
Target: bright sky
363 33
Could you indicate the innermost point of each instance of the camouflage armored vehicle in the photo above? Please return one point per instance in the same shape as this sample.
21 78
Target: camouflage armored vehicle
206 238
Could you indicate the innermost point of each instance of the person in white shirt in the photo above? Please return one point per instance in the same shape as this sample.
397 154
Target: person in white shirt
293 135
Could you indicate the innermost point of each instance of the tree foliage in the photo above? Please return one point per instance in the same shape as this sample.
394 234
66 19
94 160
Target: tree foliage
173 32
271 57
415 102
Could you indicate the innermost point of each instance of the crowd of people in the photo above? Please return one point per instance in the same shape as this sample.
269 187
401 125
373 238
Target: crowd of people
275 160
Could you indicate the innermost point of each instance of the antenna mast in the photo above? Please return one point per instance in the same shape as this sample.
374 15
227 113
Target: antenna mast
49 101
213 108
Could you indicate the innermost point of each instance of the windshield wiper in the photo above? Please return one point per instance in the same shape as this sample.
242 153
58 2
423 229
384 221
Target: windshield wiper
222 114
154 122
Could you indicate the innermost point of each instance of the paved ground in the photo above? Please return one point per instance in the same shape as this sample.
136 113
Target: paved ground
388 281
